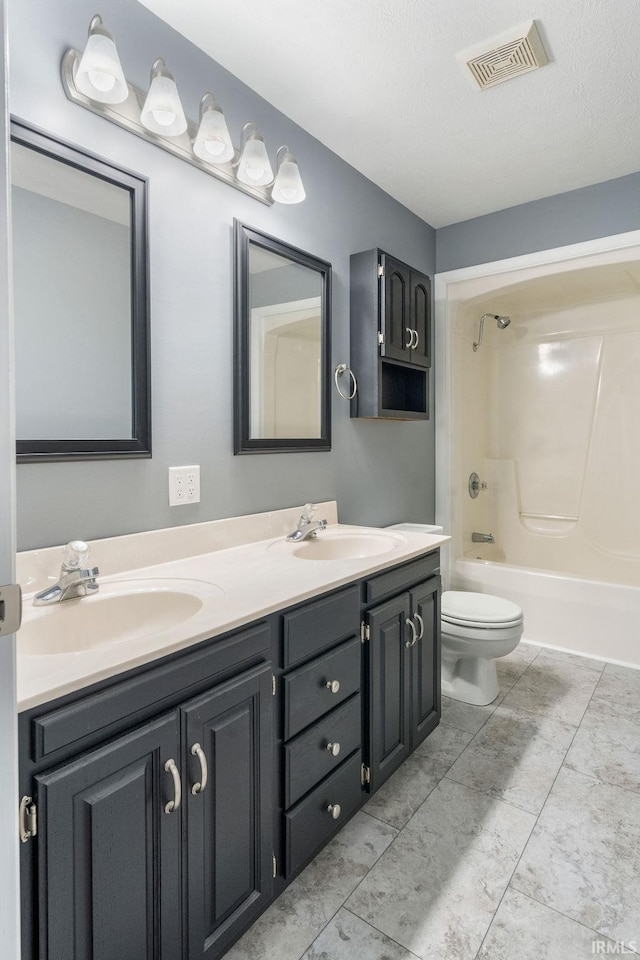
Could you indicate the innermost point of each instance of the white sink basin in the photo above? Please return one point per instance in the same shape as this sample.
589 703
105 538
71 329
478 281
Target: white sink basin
341 546
123 610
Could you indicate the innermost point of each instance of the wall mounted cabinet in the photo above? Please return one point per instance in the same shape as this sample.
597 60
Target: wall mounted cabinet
390 337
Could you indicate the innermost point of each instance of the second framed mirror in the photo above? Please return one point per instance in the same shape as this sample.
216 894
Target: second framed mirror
282 346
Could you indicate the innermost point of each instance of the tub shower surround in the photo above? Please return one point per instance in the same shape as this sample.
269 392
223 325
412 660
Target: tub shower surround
544 411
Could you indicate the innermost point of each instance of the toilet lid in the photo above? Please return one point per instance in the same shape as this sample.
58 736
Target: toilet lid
459 606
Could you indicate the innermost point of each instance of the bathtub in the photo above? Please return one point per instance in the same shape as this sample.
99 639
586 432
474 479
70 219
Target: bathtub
589 617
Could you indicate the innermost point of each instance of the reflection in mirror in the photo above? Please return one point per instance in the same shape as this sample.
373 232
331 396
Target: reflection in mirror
80 303
282 344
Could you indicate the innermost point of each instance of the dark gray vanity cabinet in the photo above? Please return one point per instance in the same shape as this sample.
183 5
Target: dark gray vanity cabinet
176 801
403 670
228 830
390 337
322 723
106 848
157 842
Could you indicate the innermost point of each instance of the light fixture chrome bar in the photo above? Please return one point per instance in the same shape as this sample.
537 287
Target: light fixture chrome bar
127 116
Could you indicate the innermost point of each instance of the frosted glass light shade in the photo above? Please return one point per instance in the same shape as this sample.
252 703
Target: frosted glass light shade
288 186
255 168
162 112
99 73
213 143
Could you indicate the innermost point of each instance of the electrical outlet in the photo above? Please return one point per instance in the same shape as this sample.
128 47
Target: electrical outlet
184 485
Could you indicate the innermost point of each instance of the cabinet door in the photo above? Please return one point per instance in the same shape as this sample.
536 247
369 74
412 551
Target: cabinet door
396 309
420 288
425 660
109 855
230 822
389 689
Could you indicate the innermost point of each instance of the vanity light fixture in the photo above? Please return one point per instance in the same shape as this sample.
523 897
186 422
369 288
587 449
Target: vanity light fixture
99 73
162 111
287 186
254 166
212 143
95 81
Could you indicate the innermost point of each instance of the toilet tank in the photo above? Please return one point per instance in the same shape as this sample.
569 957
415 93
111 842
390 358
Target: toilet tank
417 527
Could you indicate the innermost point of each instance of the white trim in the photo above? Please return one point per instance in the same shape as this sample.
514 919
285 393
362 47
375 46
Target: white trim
9 798
443 286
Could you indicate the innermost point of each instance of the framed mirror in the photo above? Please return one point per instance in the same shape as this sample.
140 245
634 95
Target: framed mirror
282 346
81 303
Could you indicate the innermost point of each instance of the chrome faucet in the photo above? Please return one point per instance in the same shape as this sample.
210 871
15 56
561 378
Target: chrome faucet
482 538
307 526
76 578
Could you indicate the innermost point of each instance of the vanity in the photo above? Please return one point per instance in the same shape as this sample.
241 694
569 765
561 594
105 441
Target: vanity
174 782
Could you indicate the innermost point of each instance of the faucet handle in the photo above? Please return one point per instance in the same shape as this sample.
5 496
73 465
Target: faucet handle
75 555
308 512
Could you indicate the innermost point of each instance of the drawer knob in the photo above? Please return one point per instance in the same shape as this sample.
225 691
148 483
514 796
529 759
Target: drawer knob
334 749
334 687
335 810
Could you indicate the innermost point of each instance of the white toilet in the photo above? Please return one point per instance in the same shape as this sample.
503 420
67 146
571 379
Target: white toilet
476 629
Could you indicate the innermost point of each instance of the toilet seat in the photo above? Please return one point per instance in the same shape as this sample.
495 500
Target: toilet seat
479 610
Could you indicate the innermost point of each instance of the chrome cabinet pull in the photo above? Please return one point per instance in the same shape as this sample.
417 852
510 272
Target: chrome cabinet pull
414 635
333 685
408 345
333 748
173 805
199 785
421 625
415 345
334 809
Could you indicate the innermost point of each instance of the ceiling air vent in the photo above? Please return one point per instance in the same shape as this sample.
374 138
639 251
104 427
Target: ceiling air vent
514 52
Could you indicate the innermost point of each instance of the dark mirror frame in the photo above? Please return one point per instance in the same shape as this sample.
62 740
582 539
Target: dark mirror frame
139 444
243 237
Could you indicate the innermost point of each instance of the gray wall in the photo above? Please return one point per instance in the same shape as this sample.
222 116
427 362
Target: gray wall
379 472
601 210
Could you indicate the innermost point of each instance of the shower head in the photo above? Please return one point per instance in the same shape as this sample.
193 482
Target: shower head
502 322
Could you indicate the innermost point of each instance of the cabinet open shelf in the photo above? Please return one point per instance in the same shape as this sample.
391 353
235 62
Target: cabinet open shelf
404 391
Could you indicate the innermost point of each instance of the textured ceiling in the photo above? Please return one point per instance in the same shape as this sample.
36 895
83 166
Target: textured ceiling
377 81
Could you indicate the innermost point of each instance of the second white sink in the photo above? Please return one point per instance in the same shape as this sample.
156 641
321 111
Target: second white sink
341 546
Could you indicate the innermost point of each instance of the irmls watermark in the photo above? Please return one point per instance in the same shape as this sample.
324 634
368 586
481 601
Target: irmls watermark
609 948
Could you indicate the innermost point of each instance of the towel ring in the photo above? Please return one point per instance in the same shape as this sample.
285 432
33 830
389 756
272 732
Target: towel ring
341 369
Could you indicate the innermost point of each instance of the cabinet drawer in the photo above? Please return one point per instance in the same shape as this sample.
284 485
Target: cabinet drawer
308 760
107 712
398 579
307 695
310 824
320 624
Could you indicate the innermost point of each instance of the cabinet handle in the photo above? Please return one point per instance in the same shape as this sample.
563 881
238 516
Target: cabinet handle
333 748
173 805
420 624
415 345
334 810
333 685
198 787
408 346
414 635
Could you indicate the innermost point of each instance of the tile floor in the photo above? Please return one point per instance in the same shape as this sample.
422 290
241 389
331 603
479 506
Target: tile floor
512 833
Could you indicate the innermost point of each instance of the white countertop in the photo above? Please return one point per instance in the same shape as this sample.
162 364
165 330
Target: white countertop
236 585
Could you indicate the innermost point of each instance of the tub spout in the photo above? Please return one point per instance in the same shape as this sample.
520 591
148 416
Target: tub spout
482 538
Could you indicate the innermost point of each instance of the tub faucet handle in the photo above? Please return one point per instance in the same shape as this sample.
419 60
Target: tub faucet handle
476 485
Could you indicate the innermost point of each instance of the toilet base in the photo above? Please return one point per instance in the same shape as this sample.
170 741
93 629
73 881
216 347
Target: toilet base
470 679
